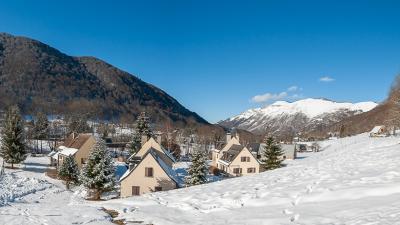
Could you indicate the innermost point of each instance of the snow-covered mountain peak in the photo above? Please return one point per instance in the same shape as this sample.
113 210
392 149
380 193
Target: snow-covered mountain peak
314 107
303 113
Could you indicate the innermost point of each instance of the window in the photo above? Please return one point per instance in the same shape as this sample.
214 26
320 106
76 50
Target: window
158 188
251 170
148 172
135 190
245 159
237 170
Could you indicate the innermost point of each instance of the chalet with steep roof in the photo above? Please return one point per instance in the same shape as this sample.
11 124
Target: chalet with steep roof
151 171
234 159
78 145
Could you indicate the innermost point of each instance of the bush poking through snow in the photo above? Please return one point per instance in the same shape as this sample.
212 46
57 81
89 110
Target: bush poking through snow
98 175
13 148
272 155
198 170
69 171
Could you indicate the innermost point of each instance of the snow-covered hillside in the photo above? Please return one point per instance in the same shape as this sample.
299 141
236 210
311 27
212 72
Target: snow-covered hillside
353 181
29 197
284 118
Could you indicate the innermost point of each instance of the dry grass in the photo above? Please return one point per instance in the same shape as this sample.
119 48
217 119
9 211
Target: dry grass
114 214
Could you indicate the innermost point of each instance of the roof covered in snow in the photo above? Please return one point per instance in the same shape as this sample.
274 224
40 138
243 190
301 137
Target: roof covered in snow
68 151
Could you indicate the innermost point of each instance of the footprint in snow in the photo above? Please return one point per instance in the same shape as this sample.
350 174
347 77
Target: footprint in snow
287 212
296 201
295 218
309 189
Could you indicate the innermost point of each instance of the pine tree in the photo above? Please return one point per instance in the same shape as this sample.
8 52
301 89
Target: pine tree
69 171
98 175
198 170
142 129
135 144
78 124
13 148
272 155
143 125
41 128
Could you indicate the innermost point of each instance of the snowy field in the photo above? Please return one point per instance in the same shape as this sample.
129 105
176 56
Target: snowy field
27 196
354 181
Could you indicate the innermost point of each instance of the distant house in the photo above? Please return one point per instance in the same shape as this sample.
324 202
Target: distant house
235 159
77 145
289 150
151 171
379 131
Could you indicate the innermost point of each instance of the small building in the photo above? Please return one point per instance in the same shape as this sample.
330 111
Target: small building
150 171
77 145
234 159
238 161
289 150
378 131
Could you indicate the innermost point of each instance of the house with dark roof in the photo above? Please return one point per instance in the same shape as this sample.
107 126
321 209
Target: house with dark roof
151 171
235 160
77 145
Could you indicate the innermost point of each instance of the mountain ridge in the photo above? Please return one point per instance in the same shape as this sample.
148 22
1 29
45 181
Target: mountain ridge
288 119
37 76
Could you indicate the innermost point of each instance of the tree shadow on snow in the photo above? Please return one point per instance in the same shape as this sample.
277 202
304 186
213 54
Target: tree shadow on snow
35 167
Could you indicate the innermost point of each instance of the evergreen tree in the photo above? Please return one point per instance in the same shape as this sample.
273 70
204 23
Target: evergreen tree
272 155
78 124
135 144
198 170
103 130
143 126
69 171
98 175
142 129
41 128
13 148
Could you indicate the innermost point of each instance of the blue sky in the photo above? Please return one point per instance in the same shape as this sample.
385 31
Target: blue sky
219 58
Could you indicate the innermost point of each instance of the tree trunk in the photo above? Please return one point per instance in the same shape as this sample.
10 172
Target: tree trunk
12 165
97 195
67 184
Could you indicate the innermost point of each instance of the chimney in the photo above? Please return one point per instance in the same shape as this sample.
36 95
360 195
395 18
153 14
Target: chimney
228 137
237 136
144 139
131 166
159 138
